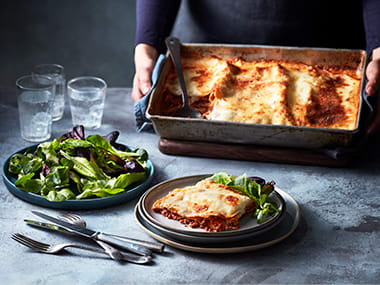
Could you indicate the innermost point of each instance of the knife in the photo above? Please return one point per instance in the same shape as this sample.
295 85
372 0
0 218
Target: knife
112 252
154 246
96 235
45 226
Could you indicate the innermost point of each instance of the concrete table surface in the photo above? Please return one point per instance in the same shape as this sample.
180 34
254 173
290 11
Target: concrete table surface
337 240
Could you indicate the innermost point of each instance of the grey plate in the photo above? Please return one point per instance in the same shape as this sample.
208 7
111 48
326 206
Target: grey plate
247 224
281 231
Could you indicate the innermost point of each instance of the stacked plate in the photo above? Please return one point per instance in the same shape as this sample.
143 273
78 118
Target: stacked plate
250 235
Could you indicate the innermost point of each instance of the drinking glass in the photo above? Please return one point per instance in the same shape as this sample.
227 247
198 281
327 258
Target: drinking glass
56 72
87 95
35 100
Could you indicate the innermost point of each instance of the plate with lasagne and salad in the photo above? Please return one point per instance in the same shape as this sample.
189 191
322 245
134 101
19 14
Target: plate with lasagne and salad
213 205
75 172
217 213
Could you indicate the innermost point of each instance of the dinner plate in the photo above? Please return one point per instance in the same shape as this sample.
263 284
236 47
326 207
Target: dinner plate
203 239
247 224
131 192
286 226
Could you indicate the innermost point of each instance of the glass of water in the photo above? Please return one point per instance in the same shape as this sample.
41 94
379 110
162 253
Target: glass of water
56 72
87 95
35 104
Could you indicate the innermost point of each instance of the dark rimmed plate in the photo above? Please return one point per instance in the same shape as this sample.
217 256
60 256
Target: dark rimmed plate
286 226
247 224
131 192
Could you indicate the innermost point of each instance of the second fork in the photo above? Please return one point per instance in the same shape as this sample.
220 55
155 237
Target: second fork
55 248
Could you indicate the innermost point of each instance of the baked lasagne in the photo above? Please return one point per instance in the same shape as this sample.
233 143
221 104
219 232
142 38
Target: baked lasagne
208 205
274 92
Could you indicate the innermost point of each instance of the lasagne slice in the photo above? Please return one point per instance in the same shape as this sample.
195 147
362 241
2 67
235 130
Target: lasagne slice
208 205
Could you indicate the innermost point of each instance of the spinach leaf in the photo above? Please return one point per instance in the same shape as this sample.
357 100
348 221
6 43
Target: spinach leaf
85 167
74 143
32 165
221 178
59 196
18 161
111 164
15 163
58 177
76 179
100 193
251 188
49 151
126 179
143 154
27 184
94 184
99 142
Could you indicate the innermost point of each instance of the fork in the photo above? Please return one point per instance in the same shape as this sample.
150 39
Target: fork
79 221
55 248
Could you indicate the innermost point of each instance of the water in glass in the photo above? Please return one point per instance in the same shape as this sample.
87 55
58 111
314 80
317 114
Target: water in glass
35 115
87 104
56 73
59 99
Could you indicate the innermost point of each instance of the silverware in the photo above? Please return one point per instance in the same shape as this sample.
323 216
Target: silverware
79 221
112 252
174 48
96 235
55 248
74 219
46 226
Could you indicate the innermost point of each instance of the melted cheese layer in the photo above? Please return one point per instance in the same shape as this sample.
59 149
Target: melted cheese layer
205 199
268 92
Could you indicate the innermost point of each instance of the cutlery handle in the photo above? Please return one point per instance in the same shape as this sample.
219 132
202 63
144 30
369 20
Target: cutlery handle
110 250
118 256
154 246
174 46
123 244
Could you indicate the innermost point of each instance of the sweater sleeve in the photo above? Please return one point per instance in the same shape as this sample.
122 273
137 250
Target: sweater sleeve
371 15
154 21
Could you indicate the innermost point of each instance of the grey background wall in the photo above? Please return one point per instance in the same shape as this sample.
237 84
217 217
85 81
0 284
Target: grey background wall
87 37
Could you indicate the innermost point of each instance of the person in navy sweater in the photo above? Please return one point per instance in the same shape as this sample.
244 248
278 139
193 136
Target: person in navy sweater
313 23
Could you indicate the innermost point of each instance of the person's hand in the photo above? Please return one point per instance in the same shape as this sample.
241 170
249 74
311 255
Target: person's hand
145 59
373 87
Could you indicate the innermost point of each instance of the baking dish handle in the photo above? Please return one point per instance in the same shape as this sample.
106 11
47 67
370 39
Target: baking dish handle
141 121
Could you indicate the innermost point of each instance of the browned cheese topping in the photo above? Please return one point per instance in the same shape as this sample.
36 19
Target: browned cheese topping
207 205
267 92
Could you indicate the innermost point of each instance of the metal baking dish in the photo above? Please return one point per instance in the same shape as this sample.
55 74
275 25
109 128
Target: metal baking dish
195 129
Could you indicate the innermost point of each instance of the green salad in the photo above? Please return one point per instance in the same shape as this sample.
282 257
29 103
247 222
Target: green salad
254 187
74 167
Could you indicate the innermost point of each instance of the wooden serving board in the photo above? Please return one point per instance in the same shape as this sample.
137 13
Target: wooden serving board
248 152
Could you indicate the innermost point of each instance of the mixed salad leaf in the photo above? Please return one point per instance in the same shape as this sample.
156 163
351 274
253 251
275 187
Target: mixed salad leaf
254 187
74 167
